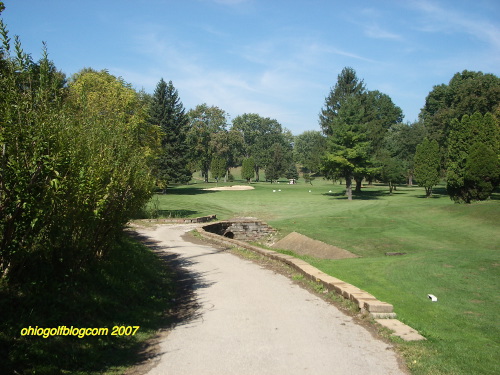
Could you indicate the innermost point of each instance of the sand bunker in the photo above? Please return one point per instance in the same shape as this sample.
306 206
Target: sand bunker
304 245
235 187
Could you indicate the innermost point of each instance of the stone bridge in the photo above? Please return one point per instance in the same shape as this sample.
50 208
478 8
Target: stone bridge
242 228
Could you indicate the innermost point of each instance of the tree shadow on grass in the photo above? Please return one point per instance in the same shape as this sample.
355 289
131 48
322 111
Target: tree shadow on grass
363 195
188 191
132 286
437 192
175 213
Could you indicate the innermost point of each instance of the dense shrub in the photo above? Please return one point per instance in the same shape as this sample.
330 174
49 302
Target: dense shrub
73 168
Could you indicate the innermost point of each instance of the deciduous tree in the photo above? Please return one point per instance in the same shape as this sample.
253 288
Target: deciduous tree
260 134
204 123
308 149
466 93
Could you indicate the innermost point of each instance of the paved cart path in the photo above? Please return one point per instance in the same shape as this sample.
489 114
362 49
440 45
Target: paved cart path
252 320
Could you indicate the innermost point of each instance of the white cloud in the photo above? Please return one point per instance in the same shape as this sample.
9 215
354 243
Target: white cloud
375 31
440 19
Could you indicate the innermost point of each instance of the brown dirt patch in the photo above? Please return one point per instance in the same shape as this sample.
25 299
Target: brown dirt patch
304 245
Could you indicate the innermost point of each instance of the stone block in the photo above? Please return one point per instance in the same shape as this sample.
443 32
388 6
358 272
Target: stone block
383 315
401 330
361 298
378 307
350 289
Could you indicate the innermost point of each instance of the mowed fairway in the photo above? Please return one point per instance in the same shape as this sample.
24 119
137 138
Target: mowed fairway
452 251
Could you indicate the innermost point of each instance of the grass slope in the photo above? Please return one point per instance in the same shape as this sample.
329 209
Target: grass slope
452 251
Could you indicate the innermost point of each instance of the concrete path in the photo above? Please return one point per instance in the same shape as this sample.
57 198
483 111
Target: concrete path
254 321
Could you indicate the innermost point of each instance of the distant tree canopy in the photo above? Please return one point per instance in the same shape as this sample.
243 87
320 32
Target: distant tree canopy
309 148
401 142
467 92
260 135
204 124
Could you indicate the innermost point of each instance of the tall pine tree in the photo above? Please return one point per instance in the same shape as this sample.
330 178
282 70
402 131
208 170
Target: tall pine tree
348 84
167 112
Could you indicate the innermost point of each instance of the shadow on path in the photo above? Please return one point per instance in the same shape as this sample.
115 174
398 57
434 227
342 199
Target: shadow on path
184 308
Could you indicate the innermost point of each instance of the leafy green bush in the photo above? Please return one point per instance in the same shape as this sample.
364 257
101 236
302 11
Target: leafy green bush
74 166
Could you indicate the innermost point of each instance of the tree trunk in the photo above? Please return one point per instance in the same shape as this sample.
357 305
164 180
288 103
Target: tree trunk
390 187
358 184
348 188
410 179
256 174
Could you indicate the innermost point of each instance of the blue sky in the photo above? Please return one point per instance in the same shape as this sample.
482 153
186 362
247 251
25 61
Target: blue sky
277 58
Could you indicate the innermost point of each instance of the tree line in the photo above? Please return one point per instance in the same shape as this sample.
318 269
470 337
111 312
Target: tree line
457 136
362 138
203 139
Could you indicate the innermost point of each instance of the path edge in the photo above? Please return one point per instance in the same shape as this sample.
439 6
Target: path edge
382 312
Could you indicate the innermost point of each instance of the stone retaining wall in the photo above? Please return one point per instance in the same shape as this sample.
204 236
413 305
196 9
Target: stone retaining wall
382 312
244 229
201 219
365 301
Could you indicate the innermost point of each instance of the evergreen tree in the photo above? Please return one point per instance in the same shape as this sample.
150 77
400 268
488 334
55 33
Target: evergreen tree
218 167
427 161
355 122
291 172
167 112
347 85
482 173
473 149
348 155
277 164
248 169
401 142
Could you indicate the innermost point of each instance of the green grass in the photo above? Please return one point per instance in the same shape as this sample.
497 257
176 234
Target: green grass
452 251
131 287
